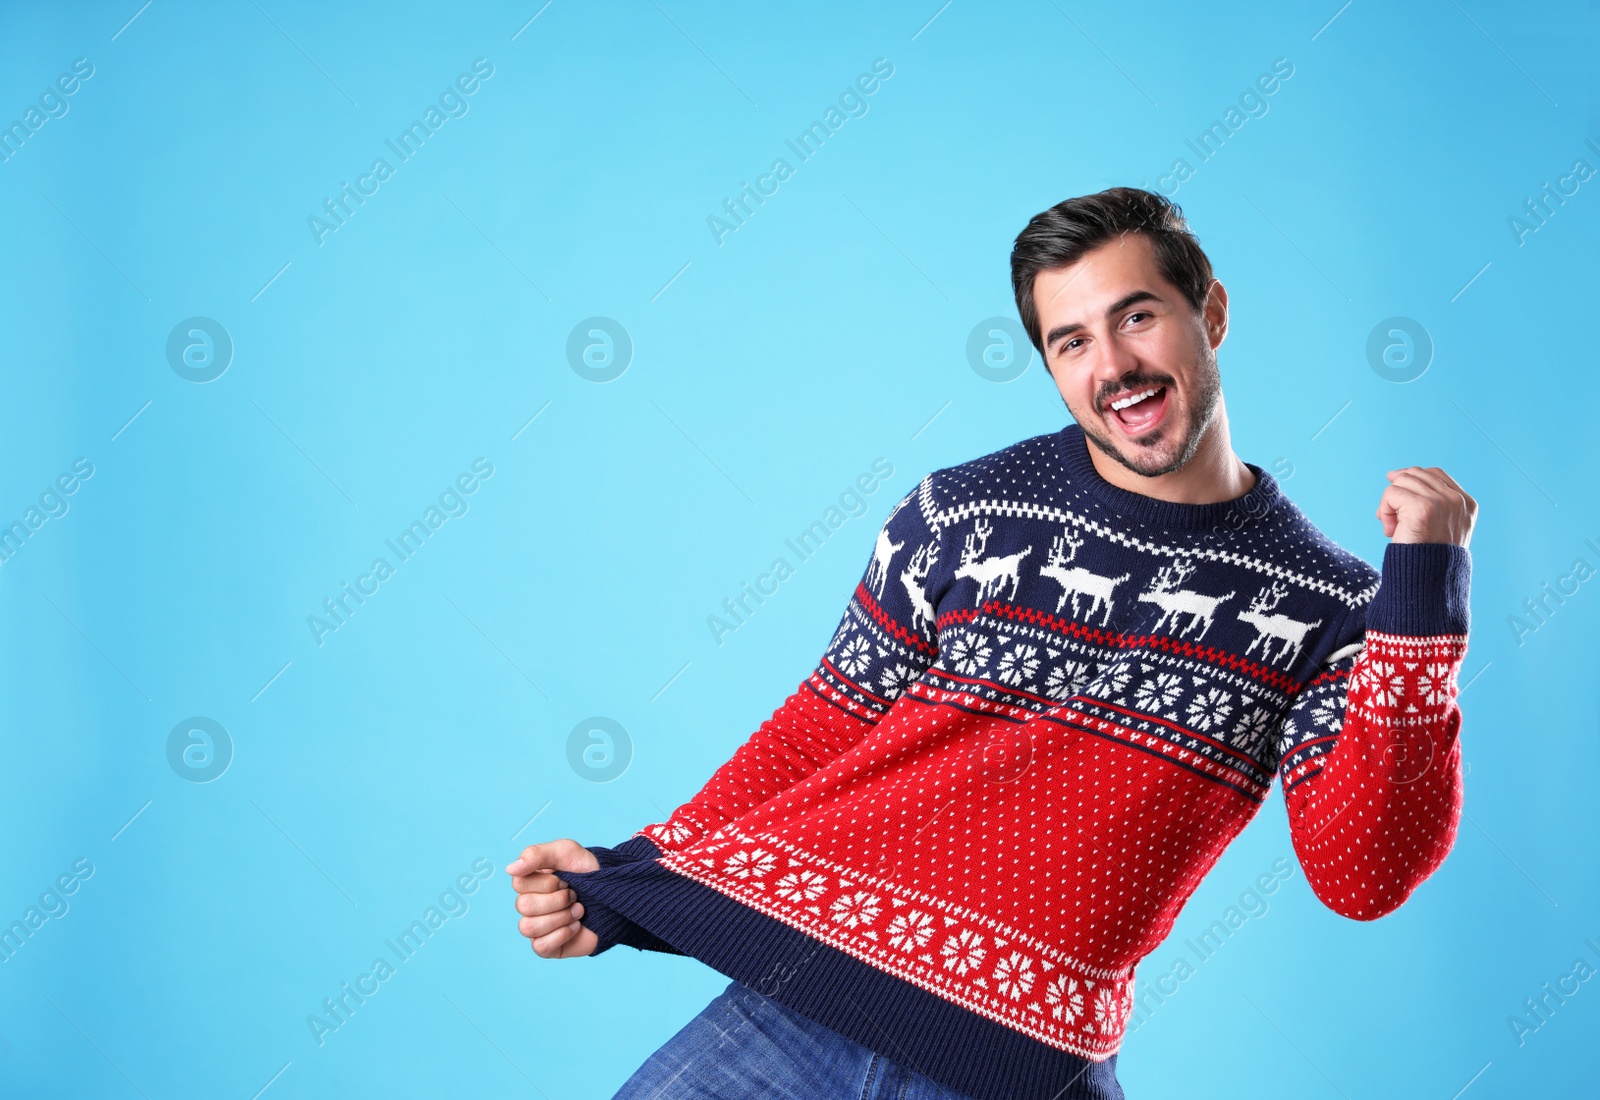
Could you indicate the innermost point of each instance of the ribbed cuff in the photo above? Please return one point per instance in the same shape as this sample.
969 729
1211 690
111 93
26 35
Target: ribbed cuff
629 851
610 926
1425 590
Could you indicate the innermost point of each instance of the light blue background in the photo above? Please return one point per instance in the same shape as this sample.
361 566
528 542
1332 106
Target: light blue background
767 373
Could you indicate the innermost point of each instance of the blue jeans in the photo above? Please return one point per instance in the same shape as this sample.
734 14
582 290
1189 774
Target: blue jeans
745 1045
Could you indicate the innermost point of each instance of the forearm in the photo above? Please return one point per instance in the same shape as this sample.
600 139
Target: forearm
1381 813
1374 803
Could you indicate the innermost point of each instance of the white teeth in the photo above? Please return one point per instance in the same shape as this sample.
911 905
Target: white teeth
1133 398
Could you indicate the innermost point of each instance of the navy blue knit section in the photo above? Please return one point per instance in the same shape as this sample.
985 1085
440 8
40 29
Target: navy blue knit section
605 922
1424 591
949 1044
631 850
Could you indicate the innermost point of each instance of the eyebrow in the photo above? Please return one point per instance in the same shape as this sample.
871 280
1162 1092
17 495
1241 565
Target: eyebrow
1115 308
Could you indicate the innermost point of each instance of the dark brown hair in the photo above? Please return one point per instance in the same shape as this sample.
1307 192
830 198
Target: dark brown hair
1062 234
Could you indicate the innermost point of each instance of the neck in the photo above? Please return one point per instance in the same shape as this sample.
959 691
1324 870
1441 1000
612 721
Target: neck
1214 475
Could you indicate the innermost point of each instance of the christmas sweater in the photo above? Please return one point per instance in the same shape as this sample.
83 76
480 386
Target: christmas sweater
1049 706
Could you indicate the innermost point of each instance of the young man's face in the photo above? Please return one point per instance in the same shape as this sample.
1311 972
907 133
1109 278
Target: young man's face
1114 329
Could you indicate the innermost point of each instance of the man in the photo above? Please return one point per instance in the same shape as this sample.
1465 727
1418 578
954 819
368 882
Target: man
1066 682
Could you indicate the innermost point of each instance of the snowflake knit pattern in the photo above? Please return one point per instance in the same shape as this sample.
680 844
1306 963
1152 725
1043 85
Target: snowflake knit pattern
1049 706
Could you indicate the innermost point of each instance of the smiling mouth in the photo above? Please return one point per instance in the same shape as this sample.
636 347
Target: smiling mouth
1139 411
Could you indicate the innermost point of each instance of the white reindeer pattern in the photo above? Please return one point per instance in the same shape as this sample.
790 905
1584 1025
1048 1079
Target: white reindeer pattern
1077 580
990 573
878 570
1175 602
1291 632
912 576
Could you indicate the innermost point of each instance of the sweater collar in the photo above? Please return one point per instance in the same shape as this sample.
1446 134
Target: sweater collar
1262 498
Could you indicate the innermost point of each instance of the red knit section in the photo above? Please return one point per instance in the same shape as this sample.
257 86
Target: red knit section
1373 819
1125 809
809 728
954 912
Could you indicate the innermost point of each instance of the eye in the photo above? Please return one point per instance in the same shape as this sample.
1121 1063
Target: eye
1138 313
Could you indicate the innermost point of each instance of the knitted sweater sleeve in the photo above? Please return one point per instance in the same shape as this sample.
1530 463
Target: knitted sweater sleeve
1370 754
884 641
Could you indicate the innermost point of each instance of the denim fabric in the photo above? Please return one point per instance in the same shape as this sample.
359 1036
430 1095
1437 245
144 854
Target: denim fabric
743 1046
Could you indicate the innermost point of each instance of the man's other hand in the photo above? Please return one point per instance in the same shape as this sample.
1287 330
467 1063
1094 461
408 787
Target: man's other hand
1424 504
547 905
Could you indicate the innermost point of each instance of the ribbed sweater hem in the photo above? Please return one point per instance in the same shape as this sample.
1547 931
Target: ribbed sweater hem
908 1025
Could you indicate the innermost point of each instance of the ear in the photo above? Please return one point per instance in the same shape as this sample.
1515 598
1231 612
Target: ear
1216 313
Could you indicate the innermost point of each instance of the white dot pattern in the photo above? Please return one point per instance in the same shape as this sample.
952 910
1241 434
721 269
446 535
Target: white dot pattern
1046 712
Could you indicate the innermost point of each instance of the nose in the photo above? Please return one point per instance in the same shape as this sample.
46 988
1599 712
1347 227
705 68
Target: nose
1117 360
